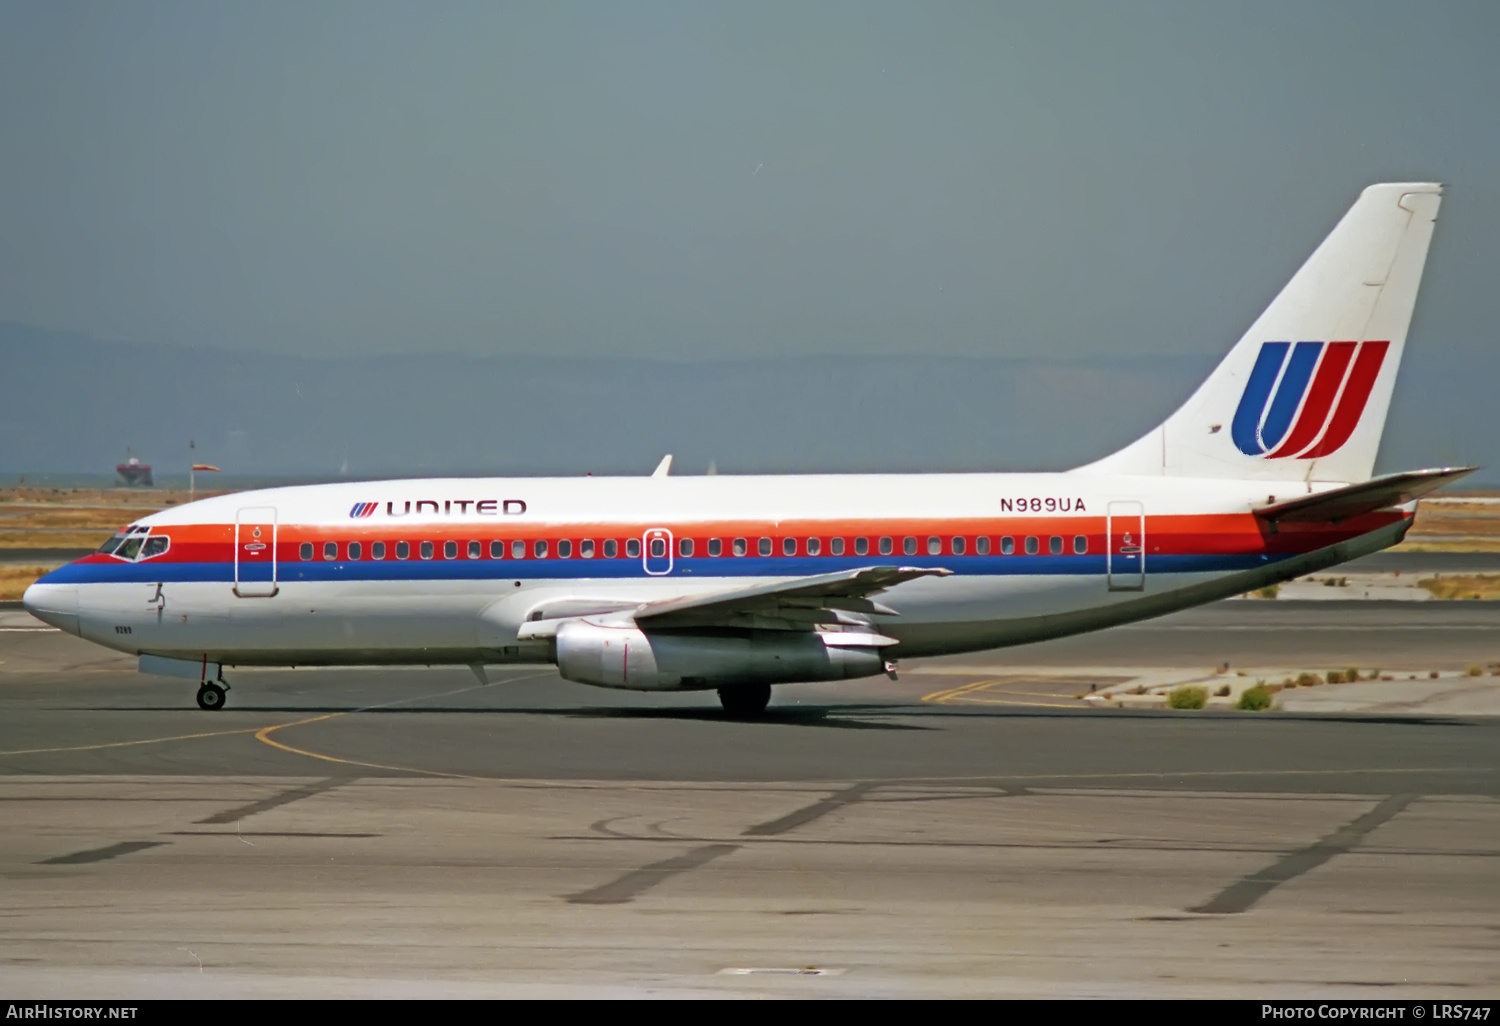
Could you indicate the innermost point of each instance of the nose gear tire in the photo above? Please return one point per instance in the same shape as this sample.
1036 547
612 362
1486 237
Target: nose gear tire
210 696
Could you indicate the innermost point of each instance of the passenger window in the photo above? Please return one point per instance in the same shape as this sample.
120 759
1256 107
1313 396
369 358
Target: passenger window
958 546
715 547
909 546
564 549
861 546
658 548
450 550
474 550
685 547
497 550
155 546
836 546
130 549
377 550
789 546
1055 545
1007 545
633 548
330 550
539 550
1080 544
741 547
355 549
982 545
1032 547
425 549
518 549
765 546
586 548
934 546
403 550
814 546
306 550
611 548
886 547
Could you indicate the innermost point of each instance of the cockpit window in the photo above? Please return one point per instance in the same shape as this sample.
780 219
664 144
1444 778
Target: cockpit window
112 544
155 546
131 548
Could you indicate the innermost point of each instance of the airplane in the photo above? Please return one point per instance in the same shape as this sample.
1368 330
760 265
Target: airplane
737 583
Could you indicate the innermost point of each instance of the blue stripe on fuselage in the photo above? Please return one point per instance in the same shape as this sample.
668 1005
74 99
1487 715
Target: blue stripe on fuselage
625 569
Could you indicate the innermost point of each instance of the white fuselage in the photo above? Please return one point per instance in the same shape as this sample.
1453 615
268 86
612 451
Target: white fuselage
450 570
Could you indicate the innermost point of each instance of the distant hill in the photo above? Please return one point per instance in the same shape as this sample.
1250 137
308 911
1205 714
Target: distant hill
72 404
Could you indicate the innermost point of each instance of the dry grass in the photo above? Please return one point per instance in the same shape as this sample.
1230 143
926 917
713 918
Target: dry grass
1434 543
1454 525
1462 586
14 580
54 539
75 518
52 518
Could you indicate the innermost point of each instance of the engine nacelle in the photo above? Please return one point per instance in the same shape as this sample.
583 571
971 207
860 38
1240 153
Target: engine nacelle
626 657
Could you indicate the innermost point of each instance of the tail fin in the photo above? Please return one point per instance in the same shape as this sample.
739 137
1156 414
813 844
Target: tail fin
1304 394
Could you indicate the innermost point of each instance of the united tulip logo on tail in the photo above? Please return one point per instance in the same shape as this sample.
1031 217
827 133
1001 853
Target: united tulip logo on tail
1305 400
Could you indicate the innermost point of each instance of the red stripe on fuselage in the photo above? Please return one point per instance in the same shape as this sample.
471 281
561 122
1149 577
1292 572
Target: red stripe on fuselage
1166 534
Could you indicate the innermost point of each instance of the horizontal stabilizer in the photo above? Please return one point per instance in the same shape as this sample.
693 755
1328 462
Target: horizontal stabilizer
1365 497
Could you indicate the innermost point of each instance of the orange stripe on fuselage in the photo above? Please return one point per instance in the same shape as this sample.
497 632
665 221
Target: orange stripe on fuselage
1186 534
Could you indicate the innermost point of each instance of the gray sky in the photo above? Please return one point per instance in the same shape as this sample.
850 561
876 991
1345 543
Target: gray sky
712 180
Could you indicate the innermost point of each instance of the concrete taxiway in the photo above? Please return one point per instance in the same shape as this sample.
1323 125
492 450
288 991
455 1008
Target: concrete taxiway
970 829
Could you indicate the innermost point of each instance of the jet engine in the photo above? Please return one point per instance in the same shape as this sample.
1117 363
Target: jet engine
688 660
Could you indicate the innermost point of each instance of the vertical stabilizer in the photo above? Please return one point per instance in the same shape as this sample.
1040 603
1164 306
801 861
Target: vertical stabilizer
1304 394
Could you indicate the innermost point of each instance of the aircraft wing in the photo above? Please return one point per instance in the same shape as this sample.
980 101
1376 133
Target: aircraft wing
810 599
800 603
1365 497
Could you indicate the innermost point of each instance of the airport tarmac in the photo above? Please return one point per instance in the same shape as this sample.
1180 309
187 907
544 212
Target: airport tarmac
411 832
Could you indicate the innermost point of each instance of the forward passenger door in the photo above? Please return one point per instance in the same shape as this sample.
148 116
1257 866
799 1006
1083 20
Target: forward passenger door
255 552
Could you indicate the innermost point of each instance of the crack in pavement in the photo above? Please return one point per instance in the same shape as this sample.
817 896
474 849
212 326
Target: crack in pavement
1245 892
295 794
112 851
806 814
638 881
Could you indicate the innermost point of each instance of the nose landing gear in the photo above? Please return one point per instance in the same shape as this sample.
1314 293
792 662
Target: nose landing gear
211 696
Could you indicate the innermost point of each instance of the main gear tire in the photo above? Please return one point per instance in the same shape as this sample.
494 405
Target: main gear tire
745 701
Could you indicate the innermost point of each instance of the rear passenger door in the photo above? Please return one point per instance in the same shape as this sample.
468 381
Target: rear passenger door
1125 559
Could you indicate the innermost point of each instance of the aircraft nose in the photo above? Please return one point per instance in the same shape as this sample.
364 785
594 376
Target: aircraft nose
55 604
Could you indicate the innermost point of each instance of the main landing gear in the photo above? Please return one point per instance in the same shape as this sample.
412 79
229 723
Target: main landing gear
743 701
211 695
